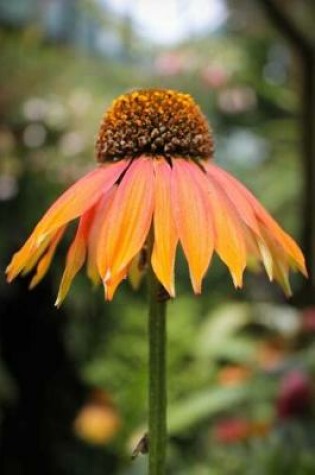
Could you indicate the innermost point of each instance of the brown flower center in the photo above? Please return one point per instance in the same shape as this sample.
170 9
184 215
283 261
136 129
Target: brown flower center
154 122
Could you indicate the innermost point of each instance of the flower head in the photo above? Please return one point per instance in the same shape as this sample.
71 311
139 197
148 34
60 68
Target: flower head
156 173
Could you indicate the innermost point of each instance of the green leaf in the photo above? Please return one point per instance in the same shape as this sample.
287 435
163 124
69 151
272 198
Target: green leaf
183 415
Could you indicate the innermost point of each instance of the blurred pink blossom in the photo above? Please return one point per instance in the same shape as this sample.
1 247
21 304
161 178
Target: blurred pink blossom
214 76
295 394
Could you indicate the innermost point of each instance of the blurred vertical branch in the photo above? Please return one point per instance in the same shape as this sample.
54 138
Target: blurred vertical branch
305 49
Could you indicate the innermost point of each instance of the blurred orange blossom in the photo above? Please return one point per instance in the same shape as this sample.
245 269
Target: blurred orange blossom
98 420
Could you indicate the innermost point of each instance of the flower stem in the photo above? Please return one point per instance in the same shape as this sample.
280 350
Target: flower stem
157 378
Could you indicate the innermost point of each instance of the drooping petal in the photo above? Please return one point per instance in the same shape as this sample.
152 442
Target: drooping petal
124 231
262 216
275 259
101 213
295 256
239 201
44 263
266 257
71 204
80 197
29 259
25 259
192 215
111 285
253 251
165 234
137 268
230 232
76 255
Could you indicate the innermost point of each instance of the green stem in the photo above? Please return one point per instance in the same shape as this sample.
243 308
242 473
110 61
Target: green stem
157 378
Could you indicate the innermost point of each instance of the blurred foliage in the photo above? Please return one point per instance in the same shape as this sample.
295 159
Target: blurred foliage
229 353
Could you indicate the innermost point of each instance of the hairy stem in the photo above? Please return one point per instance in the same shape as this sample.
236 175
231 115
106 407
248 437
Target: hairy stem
157 378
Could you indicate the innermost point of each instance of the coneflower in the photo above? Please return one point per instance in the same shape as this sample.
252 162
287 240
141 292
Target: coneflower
156 187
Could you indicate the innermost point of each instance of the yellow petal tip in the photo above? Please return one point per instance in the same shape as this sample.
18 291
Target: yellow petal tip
58 302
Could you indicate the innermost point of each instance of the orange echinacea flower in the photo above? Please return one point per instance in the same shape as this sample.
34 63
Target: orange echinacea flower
156 171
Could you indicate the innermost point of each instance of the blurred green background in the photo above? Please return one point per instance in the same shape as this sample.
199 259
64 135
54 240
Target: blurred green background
241 364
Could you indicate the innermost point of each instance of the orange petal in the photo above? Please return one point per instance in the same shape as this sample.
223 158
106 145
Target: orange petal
76 255
286 242
101 214
45 261
275 260
192 215
252 249
239 201
165 235
71 204
137 270
80 197
110 286
124 231
230 232
294 253
27 257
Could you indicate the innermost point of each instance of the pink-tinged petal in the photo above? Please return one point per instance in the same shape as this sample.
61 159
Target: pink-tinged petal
165 234
230 232
288 245
101 214
286 242
124 231
79 197
239 201
192 215
71 204
274 246
76 255
45 261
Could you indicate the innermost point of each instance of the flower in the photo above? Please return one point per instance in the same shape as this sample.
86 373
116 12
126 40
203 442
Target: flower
156 182
233 430
295 395
234 375
272 353
98 420
308 320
